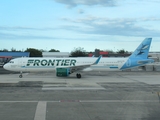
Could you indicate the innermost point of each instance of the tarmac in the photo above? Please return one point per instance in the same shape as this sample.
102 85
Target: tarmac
96 96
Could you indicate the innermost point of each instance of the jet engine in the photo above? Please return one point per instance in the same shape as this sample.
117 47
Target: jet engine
62 72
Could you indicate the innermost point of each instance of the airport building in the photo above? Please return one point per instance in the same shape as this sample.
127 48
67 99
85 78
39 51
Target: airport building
97 53
7 56
15 54
155 56
56 54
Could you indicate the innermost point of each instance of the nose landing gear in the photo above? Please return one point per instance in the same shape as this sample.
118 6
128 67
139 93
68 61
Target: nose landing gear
20 76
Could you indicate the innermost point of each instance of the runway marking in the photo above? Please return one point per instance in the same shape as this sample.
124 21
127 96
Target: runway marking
17 101
118 101
84 101
41 111
73 88
69 101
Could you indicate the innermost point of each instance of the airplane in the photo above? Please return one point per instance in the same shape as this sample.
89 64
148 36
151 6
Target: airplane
66 66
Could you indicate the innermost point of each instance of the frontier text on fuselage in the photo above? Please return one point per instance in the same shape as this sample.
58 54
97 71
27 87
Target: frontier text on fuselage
51 62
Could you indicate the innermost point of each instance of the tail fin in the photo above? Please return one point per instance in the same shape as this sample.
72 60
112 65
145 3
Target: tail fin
142 50
140 56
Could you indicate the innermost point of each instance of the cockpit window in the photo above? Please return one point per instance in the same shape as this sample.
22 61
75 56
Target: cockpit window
11 62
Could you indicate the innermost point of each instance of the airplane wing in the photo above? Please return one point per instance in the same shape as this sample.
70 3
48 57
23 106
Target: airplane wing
81 67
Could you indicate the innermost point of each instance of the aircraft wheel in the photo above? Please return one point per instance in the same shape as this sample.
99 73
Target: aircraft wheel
78 75
20 76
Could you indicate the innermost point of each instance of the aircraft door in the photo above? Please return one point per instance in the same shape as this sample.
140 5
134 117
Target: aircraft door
22 65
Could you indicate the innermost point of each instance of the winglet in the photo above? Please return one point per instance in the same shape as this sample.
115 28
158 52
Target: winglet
97 61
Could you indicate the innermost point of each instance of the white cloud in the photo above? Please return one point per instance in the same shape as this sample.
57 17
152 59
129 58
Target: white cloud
80 11
73 3
117 26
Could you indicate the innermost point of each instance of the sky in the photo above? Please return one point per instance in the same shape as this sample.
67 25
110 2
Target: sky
68 24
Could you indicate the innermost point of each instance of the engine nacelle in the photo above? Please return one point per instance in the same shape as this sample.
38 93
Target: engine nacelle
62 72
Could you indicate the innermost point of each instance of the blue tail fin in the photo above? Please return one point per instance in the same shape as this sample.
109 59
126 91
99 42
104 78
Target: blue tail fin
142 50
140 56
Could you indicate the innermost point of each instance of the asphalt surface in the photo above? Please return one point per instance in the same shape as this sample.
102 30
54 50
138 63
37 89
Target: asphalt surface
96 96
3 71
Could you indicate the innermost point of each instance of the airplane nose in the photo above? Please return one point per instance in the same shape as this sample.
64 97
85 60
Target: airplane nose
6 66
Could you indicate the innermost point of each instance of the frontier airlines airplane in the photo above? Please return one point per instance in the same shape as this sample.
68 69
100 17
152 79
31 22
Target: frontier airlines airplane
66 66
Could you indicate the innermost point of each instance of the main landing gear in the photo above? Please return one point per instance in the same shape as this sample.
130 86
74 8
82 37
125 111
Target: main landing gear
20 76
78 75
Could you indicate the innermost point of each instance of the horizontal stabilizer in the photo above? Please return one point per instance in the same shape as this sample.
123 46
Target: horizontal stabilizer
145 61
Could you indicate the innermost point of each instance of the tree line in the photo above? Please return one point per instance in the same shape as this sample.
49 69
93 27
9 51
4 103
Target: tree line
77 52
14 50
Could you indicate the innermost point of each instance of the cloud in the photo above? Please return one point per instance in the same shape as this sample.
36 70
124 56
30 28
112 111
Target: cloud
21 32
74 3
122 27
108 3
80 11
89 25
157 1
23 37
20 28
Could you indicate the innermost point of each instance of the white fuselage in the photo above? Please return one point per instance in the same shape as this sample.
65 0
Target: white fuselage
50 64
